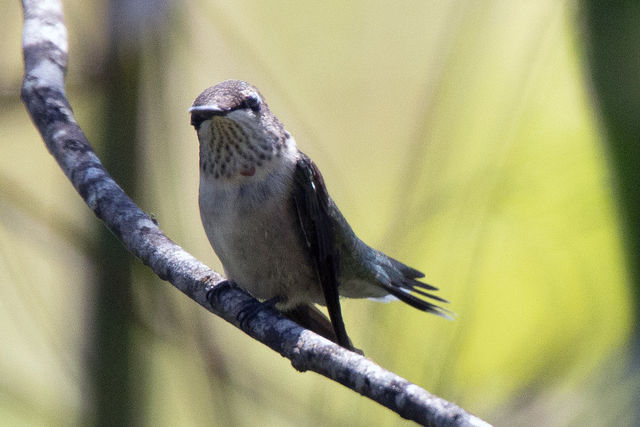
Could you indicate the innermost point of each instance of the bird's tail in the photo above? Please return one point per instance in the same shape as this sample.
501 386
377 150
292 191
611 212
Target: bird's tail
402 282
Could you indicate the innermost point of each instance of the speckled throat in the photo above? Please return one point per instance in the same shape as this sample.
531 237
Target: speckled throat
234 150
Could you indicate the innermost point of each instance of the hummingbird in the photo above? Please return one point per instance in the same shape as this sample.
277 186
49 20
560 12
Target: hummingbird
271 222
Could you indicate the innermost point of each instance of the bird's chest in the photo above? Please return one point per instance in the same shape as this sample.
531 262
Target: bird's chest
254 230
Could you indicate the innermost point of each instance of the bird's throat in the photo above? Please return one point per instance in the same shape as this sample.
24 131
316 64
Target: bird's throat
229 149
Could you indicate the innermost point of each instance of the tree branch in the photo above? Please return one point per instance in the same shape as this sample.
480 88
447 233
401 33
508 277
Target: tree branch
45 56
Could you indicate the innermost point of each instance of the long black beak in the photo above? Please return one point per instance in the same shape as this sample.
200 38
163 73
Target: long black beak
204 112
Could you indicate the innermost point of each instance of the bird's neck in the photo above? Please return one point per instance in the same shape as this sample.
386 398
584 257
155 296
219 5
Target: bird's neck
252 183
232 151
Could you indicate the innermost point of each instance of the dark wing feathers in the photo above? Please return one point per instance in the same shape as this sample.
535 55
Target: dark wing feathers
311 202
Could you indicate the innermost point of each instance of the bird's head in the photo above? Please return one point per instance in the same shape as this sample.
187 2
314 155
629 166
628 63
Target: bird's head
237 131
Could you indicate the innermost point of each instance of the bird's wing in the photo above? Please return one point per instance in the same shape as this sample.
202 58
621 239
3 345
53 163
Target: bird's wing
311 202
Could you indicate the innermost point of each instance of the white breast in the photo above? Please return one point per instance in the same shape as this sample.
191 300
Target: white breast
253 229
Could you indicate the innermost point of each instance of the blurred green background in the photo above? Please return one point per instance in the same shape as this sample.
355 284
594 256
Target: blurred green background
492 145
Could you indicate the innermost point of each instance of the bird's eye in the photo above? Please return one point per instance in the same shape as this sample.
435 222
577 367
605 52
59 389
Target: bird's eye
252 101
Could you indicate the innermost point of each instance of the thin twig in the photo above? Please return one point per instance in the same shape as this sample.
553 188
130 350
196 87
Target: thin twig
45 56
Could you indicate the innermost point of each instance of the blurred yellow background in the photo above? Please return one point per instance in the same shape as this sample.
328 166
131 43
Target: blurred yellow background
460 137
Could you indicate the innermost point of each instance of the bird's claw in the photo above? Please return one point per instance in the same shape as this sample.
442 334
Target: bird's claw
249 311
213 290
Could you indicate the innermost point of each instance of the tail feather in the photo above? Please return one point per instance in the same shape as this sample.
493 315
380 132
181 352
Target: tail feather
408 272
401 281
429 295
404 294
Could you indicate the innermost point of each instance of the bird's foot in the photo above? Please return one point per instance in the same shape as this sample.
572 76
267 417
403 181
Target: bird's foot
249 311
213 291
